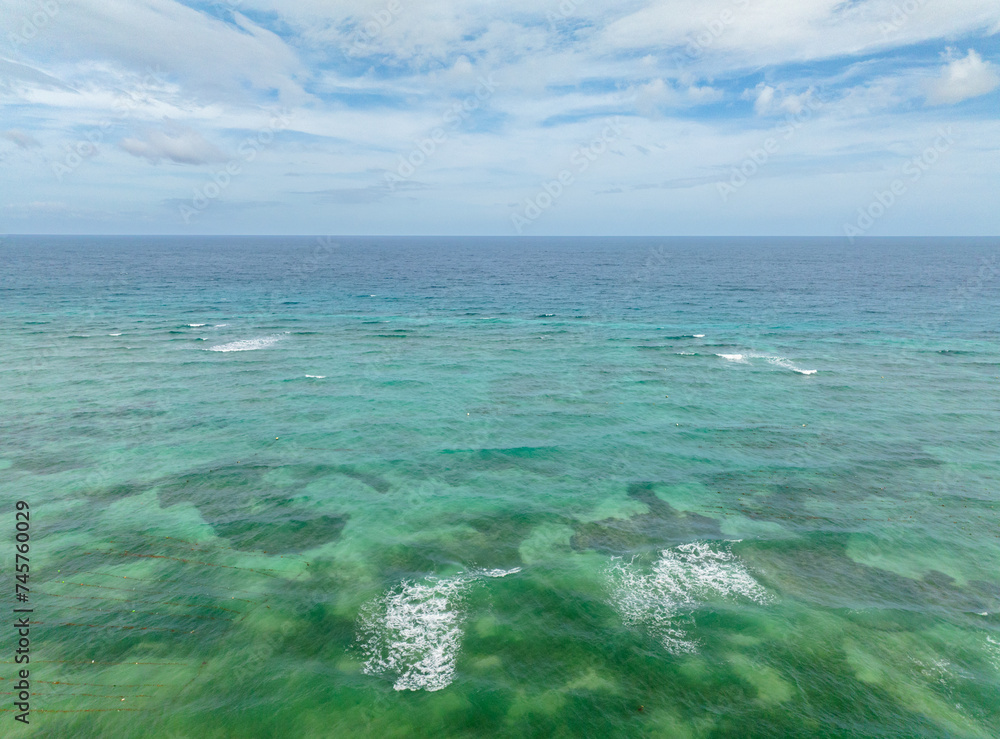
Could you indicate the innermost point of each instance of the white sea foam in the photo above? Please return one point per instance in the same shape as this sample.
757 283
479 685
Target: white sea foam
114 334
939 670
245 345
777 361
699 336
317 377
993 647
666 596
687 354
496 573
785 364
415 633
197 325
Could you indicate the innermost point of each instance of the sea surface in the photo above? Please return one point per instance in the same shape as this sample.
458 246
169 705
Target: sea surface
387 487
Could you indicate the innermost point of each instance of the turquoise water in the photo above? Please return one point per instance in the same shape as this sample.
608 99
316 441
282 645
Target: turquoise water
444 487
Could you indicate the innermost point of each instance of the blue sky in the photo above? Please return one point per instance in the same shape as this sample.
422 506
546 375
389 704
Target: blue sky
645 117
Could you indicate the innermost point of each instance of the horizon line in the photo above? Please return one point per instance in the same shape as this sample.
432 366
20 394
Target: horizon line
510 237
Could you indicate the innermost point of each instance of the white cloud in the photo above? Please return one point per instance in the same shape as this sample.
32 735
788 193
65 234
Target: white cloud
211 57
962 79
653 96
768 100
765 99
36 208
15 77
176 143
355 109
760 32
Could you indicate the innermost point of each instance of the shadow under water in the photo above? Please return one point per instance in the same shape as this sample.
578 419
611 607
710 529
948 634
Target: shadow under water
661 525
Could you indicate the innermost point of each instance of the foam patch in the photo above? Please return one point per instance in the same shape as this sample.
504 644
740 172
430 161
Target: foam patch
665 597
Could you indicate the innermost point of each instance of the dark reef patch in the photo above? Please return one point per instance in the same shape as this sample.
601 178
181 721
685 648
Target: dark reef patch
816 568
661 525
240 506
294 534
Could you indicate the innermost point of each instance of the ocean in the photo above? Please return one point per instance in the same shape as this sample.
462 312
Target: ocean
466 487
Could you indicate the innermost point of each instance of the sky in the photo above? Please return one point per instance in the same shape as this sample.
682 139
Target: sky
534 117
